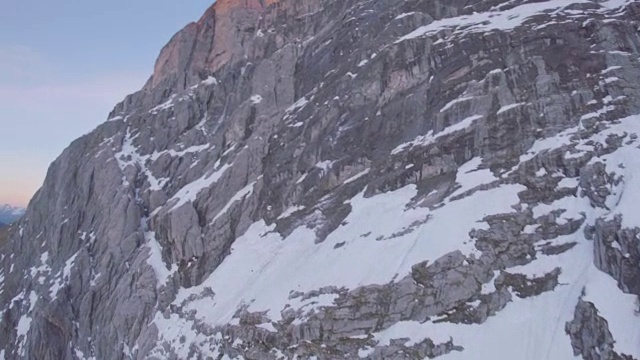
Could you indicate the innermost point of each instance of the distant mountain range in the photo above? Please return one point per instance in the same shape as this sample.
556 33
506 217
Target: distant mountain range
9 214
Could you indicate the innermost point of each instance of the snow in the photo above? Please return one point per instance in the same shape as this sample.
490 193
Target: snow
597 113
450 104
256 99
129 156
615 4
115 118
568 183
402 16
548 143
611 79
290 211
43 268
539 321
312 303
267 326
173 329
62 278
164 106
619 309
24 324
626 196
490 20
302 102
429 138
81 356
541 172
357 176
66 271
469 176
509 107
177 153
611 68
301 179
399 330
325 166
608 99
190 192
263 268
210 81
548 23
530 229
94 279
155 258
571 212
240 195
228 151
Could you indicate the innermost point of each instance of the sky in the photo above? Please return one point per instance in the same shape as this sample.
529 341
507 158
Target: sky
64 64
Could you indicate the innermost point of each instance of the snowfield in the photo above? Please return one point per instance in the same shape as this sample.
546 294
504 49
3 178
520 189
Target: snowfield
264 268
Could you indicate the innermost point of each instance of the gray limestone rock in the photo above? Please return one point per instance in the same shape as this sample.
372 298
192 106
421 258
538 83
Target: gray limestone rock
590 336
502 132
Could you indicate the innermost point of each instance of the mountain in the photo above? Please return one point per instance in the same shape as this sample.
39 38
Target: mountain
9 214
317 179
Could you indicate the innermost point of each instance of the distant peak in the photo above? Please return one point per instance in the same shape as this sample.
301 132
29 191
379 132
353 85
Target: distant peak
15 210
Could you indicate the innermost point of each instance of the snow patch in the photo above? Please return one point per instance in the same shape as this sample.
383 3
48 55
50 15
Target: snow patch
164 106
239 196
256 99
189 192
503 20
451 103
357 176
210 81
429 138
509 107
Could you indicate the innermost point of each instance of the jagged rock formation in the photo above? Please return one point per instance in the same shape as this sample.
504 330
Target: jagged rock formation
349 179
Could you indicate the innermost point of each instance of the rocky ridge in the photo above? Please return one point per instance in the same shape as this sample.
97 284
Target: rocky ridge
349 179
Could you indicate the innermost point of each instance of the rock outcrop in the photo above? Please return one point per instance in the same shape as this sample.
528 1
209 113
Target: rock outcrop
318 179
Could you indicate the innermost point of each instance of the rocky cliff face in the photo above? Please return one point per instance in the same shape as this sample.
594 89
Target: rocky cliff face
318 179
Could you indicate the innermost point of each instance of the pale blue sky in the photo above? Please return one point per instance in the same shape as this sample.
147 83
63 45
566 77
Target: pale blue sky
63 66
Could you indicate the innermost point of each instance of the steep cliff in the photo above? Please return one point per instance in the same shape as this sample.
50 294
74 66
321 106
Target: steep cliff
391 179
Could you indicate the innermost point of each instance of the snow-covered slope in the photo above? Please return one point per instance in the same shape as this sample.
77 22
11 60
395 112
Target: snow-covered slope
316 179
